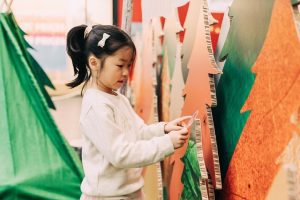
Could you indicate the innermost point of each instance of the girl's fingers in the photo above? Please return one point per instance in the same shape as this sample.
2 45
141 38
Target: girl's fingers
184 131
182 119
183 137
176 128
181 142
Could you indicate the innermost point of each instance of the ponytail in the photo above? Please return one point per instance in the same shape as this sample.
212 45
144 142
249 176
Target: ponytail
76 50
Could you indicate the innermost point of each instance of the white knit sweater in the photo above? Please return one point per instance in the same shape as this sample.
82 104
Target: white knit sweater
116 145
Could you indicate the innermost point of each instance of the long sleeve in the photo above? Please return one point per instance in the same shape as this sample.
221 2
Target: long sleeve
146 132
99 127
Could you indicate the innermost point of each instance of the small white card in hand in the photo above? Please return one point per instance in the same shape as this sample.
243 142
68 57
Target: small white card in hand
191 121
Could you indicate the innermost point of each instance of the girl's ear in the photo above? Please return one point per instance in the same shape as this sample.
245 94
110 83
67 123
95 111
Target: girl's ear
94 63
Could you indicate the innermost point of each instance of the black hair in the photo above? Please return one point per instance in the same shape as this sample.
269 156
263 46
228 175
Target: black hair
80 46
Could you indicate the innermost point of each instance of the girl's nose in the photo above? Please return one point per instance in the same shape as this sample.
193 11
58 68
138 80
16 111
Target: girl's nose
125 71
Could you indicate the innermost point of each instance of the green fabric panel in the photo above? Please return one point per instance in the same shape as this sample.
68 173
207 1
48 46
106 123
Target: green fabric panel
248 29
36 69
36 161
191 173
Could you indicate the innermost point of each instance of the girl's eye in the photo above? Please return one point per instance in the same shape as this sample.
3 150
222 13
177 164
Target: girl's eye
120 66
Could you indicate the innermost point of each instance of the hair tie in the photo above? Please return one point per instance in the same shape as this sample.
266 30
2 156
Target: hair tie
101 43
87 31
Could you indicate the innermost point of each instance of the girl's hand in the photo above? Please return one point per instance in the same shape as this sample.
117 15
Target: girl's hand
179 137
175 125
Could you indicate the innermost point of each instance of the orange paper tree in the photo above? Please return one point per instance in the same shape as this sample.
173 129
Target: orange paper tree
272 100
248 28
199 95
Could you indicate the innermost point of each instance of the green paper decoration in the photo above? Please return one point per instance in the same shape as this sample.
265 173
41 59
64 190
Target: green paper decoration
36 161
191 175
36 69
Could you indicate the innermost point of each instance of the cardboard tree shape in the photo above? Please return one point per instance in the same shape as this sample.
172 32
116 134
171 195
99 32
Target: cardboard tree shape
274 97
221 41
172 27
37 71
249 25
144 80
173 105
199 95
36 161
190 34
177 86
165 88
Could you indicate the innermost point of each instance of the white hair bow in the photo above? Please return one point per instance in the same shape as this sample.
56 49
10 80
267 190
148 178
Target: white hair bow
87 31
101 43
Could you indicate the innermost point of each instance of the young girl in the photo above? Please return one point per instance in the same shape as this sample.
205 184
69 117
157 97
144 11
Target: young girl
117 143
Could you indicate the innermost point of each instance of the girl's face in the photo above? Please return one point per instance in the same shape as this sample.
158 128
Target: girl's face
114 72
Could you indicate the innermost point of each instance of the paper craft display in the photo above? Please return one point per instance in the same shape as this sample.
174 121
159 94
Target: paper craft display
221 41
195 175
127 16
177 85
191 178
37 71
240 51
215 29
200 92
145 82
273 98
36 161
182 12
126 26
199 95
158 8
136 74
165 88
158 34
190 26
172 27
144 91
211 19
